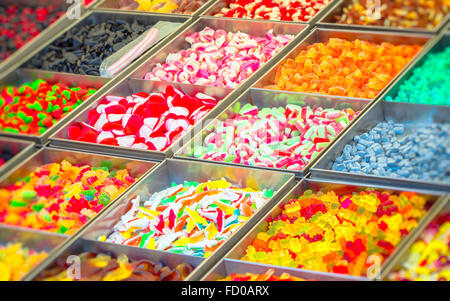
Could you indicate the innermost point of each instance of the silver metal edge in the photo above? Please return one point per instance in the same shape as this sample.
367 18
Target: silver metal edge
28 149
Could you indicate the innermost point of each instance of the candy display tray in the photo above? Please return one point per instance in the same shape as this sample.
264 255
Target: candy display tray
21 76
436 200
321 35
128 87
328 20
219 4
21 150
270 99
178 171
411 115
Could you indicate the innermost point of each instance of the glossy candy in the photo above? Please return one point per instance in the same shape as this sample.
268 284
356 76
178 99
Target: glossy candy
267 276
35 106
217 58
273 137
337 231
344 68
191 218
163 6
16 261
143 121
61 197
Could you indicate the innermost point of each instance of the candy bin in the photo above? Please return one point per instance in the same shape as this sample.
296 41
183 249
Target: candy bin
379 148
191 208
62 191
359 64
12 152
341 229
274 130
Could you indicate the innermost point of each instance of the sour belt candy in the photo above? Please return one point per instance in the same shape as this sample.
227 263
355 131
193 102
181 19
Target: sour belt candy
16 261
267 276
421 153
103 267
337 231
345 68
143 121
34 107
61 197
218 58
273 137
191 218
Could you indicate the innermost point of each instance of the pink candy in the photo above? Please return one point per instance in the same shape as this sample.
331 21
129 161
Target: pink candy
142 121
217 58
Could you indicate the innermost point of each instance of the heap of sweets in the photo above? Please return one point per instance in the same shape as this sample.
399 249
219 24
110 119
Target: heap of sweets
429 83
61 197
337 231
267 276
428 259
143 121
35 106
395 13
103 267
163 6
16 261
273 137
21 24
284 10
386 150
344 68
83 48
191 218
218 58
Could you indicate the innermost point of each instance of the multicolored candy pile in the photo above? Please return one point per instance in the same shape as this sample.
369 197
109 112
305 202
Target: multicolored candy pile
273 137
34 107
61 197
337 231
102 267
267 276
162 6
143 121
218 58
344 68
16 261
191 218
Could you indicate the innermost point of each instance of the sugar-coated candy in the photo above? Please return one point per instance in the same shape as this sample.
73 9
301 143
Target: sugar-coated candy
429 257
16 261
426 14
103 267
389 150
284 10
267 276
280 137
336 231
143 121
345 68
61 197
429 83
191 218
218 58
34 107
162 6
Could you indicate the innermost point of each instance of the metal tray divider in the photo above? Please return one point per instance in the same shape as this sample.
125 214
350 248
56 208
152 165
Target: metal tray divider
28 149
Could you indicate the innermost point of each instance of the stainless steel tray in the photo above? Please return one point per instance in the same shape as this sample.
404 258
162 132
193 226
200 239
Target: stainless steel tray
238 251
411 115
268 98
128 87
21 150
321 35
178 171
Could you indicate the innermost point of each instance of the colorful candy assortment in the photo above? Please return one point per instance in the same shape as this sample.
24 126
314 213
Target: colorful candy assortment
429 83
16 261
191 218
267 276
163 6
297 10
273 137
103 267
429 257
218 58
35 106
143 121
61 197
345 68
336 231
